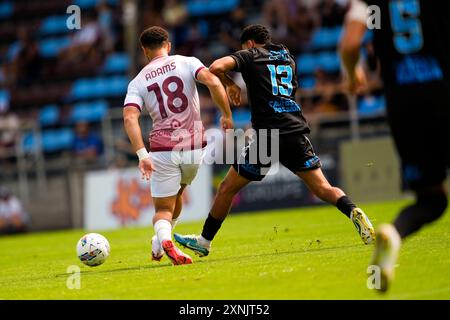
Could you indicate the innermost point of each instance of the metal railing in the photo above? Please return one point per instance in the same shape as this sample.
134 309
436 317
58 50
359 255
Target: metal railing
26 161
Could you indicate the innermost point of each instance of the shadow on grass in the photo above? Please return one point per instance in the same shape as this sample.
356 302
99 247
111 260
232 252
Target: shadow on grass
234 258
277 253
136 268
87 273
238 258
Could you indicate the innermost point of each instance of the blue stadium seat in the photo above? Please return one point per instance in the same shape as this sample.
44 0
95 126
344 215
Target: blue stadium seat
88 88
81 89
337 33
117 86
326 38
28 141
101 86
306 63
89 111
5 97
371 105
307 83
116 63
322 38
54 25
368 36
51 47
52 140
49 115
57 139
201 7
6 9
329 61
241 117
13 50
86 4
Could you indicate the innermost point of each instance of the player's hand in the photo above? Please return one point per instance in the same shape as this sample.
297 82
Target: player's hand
357 82
234 93
226 123
146 168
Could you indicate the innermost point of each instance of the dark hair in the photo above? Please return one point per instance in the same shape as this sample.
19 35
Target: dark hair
256 32
153 37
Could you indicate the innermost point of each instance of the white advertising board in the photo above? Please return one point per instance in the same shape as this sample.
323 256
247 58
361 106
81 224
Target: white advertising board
119 197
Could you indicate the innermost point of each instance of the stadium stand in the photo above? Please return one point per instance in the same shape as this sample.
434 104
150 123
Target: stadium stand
74 76
62 90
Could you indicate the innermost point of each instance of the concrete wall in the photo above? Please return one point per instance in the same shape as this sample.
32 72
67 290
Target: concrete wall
370 169
49 207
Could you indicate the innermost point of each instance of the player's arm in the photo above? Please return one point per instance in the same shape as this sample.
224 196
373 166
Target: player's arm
131 116
351 41
131 121
218 95
220 68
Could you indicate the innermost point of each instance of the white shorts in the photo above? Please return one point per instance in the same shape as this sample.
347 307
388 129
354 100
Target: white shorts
173 168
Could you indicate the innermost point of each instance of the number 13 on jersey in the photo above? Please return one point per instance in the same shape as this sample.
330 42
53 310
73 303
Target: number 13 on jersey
285 87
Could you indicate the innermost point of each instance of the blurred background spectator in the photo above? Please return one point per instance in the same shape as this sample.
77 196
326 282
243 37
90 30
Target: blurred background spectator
62 90
87 145
83 45
27 63
9 130
62 77
13 219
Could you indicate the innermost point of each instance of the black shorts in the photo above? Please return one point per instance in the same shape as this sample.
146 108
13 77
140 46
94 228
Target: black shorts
295 153
419 117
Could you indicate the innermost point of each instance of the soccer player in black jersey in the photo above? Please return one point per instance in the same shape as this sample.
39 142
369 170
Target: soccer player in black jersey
413 47
270 74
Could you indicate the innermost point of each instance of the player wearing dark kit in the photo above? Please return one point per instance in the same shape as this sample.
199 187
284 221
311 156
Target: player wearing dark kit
270 74
413 48
271 78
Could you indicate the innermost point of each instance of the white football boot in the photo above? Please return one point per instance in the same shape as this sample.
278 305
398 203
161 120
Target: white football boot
363 225
387 247
157 250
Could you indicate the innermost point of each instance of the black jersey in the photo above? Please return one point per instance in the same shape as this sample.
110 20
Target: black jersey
413 42
271 78
413 47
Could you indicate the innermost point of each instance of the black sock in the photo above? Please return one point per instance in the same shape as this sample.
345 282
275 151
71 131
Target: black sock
345 205
210 228
427 209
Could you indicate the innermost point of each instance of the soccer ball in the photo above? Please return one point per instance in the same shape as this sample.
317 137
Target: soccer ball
93 249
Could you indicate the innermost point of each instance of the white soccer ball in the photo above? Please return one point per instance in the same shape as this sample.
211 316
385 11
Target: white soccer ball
93 249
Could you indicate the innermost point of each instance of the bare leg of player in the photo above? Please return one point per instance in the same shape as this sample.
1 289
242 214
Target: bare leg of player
319 185
178 205
162 223
228 188
157 250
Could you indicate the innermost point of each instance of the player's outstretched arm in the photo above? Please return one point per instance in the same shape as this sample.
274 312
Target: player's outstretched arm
131 122
220 68
350 45
218 95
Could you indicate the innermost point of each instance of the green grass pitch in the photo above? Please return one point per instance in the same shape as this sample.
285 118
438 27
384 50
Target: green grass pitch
308 253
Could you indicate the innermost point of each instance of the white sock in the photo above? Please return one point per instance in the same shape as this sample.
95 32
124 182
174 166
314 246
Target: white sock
163 230
174 223
203 242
